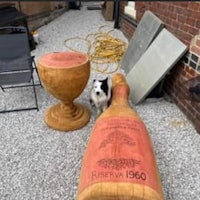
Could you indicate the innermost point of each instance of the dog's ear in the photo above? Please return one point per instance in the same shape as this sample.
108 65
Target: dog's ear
104 86
104 81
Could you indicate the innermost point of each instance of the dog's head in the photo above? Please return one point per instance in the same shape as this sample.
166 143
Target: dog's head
101 87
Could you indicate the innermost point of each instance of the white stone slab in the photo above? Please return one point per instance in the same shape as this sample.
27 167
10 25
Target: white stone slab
155 63
146 31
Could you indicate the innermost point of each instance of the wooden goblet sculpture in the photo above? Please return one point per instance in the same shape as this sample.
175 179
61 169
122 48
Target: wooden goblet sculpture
65 75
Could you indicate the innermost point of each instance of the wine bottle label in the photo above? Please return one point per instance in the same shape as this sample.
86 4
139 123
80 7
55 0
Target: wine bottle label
119 150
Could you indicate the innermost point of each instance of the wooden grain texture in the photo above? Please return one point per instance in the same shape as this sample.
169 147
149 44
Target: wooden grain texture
65 83
119 162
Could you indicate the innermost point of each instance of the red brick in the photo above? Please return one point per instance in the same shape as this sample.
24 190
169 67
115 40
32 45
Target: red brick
190 21
195 14
190 115
188 76
198 116
180 93
167 21
175 23
187 43
197 127
183 78
190 71
184 73
187 68
196 124
182 18
173 15
182 4
197 24
193 31
178 10
153 5
182 106
193 6
171 8
185 36
195 49
198 42
184 27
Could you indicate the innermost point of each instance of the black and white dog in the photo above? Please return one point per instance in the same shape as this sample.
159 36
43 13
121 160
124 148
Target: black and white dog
101 94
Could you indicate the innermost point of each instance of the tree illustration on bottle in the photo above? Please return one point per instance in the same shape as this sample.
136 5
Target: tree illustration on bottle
117 139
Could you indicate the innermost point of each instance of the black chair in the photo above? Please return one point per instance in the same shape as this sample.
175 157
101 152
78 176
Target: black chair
16 63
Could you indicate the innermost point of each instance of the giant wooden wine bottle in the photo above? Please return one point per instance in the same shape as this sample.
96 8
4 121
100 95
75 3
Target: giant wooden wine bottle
119 162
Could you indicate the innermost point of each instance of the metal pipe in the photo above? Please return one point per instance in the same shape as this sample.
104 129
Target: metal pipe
117 4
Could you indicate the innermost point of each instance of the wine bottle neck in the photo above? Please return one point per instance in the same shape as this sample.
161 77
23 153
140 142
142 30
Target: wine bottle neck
120 94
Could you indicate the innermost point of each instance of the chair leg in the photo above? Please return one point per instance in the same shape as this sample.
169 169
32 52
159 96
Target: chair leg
2 89
35 95
17 110
36 107
35 67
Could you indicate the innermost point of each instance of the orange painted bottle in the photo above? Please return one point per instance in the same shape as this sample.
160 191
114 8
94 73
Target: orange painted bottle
119 161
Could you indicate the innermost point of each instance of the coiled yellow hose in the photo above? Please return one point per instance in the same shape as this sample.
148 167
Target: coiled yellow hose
103 50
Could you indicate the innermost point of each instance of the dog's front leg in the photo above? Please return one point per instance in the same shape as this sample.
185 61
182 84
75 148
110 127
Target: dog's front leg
104 108
98 111
91 102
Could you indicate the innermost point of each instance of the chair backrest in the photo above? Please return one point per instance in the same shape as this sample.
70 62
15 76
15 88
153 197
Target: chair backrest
15 39
15 56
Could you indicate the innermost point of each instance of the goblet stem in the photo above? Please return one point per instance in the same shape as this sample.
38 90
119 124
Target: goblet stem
67 116
68 107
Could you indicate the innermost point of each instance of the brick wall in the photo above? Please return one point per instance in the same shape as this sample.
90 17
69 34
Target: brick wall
183 20
127 25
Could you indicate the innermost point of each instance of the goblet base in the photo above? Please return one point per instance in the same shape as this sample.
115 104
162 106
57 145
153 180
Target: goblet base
63 118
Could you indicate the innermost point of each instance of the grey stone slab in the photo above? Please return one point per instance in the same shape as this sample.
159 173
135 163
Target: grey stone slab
146 31
159 58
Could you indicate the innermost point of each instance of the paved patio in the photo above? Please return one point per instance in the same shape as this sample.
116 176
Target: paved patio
38 163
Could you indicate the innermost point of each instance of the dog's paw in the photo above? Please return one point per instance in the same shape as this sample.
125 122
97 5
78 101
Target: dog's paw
91 103
104 108
98 112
